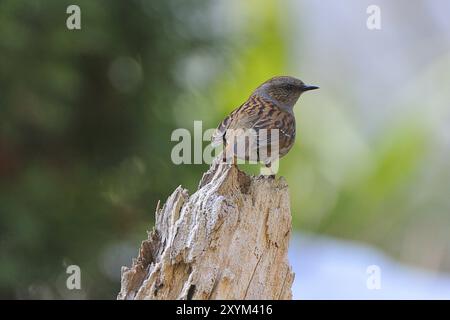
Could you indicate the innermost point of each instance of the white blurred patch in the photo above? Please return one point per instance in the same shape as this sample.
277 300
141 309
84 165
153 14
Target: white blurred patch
327 268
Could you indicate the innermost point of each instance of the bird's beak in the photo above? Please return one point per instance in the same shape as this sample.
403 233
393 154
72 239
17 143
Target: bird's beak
307 87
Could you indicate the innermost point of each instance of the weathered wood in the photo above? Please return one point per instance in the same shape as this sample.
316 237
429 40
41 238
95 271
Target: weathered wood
229 240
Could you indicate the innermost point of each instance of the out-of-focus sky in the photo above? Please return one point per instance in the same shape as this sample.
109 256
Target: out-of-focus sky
375 67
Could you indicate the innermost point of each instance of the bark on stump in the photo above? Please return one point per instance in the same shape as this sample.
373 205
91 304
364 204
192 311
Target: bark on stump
229 240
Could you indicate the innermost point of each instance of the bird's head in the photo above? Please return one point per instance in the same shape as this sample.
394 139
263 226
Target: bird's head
284 90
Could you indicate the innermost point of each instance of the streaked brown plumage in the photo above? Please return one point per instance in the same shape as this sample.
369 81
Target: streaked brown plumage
269 107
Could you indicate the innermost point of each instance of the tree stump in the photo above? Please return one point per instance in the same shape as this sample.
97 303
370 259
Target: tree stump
229 240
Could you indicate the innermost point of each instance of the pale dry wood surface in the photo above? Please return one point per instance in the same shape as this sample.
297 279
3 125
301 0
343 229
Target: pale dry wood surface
228 240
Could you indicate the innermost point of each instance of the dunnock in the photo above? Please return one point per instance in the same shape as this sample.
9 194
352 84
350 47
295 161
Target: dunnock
268 117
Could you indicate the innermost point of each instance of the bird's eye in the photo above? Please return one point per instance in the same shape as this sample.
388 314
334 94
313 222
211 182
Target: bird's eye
290 86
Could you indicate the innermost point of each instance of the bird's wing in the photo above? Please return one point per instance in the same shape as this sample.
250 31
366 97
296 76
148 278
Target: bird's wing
260 114
275 133
218 136
257 114
253 114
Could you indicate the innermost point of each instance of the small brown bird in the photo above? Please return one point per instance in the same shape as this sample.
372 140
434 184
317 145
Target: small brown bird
268 111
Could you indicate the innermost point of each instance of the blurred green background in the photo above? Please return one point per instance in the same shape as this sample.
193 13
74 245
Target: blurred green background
86 118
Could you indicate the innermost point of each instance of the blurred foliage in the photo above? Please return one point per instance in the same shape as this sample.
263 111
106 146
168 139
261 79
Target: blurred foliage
86 118
85 123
